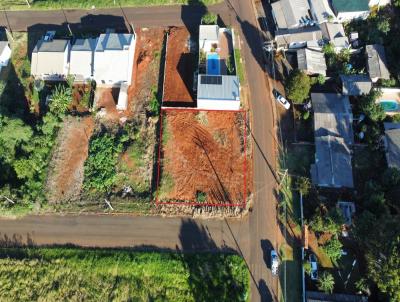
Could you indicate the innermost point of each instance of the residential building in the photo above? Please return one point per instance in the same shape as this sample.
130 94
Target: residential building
356 84
82 59
5 54
218 86
347 10
311 61
50 59
312 296
376 62
392 144
333 138
334 33
291 13
321 11
113 59
298 37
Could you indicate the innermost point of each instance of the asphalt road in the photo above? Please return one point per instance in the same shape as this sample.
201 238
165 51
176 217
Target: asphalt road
252 236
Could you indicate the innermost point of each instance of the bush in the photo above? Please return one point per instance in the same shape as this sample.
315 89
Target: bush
330 222
369 106
60 100
333 248
154 105
209 19
201 197
298 86
326 282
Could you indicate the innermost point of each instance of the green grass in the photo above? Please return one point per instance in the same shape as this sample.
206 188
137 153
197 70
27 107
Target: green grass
239 65
57 4
120 275
166 185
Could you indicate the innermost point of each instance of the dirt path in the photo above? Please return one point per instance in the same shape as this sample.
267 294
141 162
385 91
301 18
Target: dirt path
67 165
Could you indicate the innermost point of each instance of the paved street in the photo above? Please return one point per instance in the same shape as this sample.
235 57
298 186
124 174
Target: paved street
253 235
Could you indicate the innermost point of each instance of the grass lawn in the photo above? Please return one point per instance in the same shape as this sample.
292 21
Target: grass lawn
239 65
120 275
57 4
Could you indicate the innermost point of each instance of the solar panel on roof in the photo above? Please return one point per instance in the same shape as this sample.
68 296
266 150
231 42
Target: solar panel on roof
213 80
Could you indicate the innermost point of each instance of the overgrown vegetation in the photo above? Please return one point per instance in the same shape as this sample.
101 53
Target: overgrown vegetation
209 19
120 275
298 86
239 65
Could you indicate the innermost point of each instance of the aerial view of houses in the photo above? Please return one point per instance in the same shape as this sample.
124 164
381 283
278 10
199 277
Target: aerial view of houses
200 150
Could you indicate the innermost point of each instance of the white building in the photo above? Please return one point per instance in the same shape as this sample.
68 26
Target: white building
5 54
82 59
208 37
113 59
50 59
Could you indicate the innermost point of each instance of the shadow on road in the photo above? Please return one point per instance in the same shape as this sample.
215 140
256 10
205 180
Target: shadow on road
265 292
267 247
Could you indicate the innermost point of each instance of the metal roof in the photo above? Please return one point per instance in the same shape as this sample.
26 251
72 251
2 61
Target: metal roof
356 84
334 32
311 61
224 87
112 41
350 5
302 34
332 116
209 32
392 134
321 10
56 45
290 13
84 45
376 62
332 166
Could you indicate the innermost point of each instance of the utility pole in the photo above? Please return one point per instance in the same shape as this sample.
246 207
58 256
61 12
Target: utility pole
66 21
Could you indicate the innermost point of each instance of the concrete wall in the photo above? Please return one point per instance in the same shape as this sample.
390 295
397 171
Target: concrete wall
81 63
5 56
348 16
218 104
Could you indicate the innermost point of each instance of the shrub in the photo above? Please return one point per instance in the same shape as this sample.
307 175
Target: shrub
333 248
60 100
154 105
330 222
201 197
326 282
209 19
298 86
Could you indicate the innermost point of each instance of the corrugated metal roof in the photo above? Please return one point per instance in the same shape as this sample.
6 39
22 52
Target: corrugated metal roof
303 34
321 10
56 45
209 32
356 84
376 61
112 41
311 61
392 133
290 13
332 166
226 87
84 45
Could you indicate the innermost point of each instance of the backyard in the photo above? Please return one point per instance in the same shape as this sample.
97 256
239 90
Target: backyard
204 158
55 274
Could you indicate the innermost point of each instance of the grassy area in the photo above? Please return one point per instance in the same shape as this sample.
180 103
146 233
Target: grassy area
239 65
120 275
57 4
291 263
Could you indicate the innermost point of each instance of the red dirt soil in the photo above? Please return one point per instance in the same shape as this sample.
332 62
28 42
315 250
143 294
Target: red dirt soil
179 68
205 155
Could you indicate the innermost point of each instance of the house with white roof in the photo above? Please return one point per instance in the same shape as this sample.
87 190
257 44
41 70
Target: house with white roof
113 59
218 88
5 54
291 13
82 59
50 59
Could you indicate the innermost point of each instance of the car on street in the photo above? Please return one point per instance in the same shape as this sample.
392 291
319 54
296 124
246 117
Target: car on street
314 267
274 263
281 100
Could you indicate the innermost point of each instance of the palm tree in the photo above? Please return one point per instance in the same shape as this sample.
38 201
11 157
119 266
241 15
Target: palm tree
326 282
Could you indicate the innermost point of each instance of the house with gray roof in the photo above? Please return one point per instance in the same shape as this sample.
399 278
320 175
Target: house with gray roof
376 62
297 37
347 10
334 33
290 13
333 133
113 59
82 59
311 61
356 84
50 59
392 144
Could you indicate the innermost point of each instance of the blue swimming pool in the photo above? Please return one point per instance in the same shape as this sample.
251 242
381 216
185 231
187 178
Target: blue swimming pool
213 67
389 105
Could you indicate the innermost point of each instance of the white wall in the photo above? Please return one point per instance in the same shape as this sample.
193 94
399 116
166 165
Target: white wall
348 16
81 65
5 56
378 2
218 104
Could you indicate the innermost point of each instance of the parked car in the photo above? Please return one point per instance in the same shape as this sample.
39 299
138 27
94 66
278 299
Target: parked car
281 100
274 263
314 267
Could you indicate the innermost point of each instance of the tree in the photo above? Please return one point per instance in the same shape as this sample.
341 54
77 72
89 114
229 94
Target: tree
303 184
326 282
298 86
383 24
209 19
330 222
369 106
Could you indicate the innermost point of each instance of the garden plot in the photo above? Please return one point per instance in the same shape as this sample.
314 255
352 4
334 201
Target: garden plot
203 158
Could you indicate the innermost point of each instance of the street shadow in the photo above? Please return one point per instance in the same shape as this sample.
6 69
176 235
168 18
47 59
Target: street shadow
265 293
16 240
191 15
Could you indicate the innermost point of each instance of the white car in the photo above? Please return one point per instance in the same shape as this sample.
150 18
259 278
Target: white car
314 267
281 100
274 263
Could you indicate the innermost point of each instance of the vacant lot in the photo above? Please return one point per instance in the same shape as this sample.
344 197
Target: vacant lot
117 275
203 157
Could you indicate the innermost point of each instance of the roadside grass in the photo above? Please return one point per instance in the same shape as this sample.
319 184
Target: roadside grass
239 65
67 4
60 274
292 264
166 185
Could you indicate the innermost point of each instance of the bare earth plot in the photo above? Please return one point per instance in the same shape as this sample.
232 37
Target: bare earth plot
204 158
